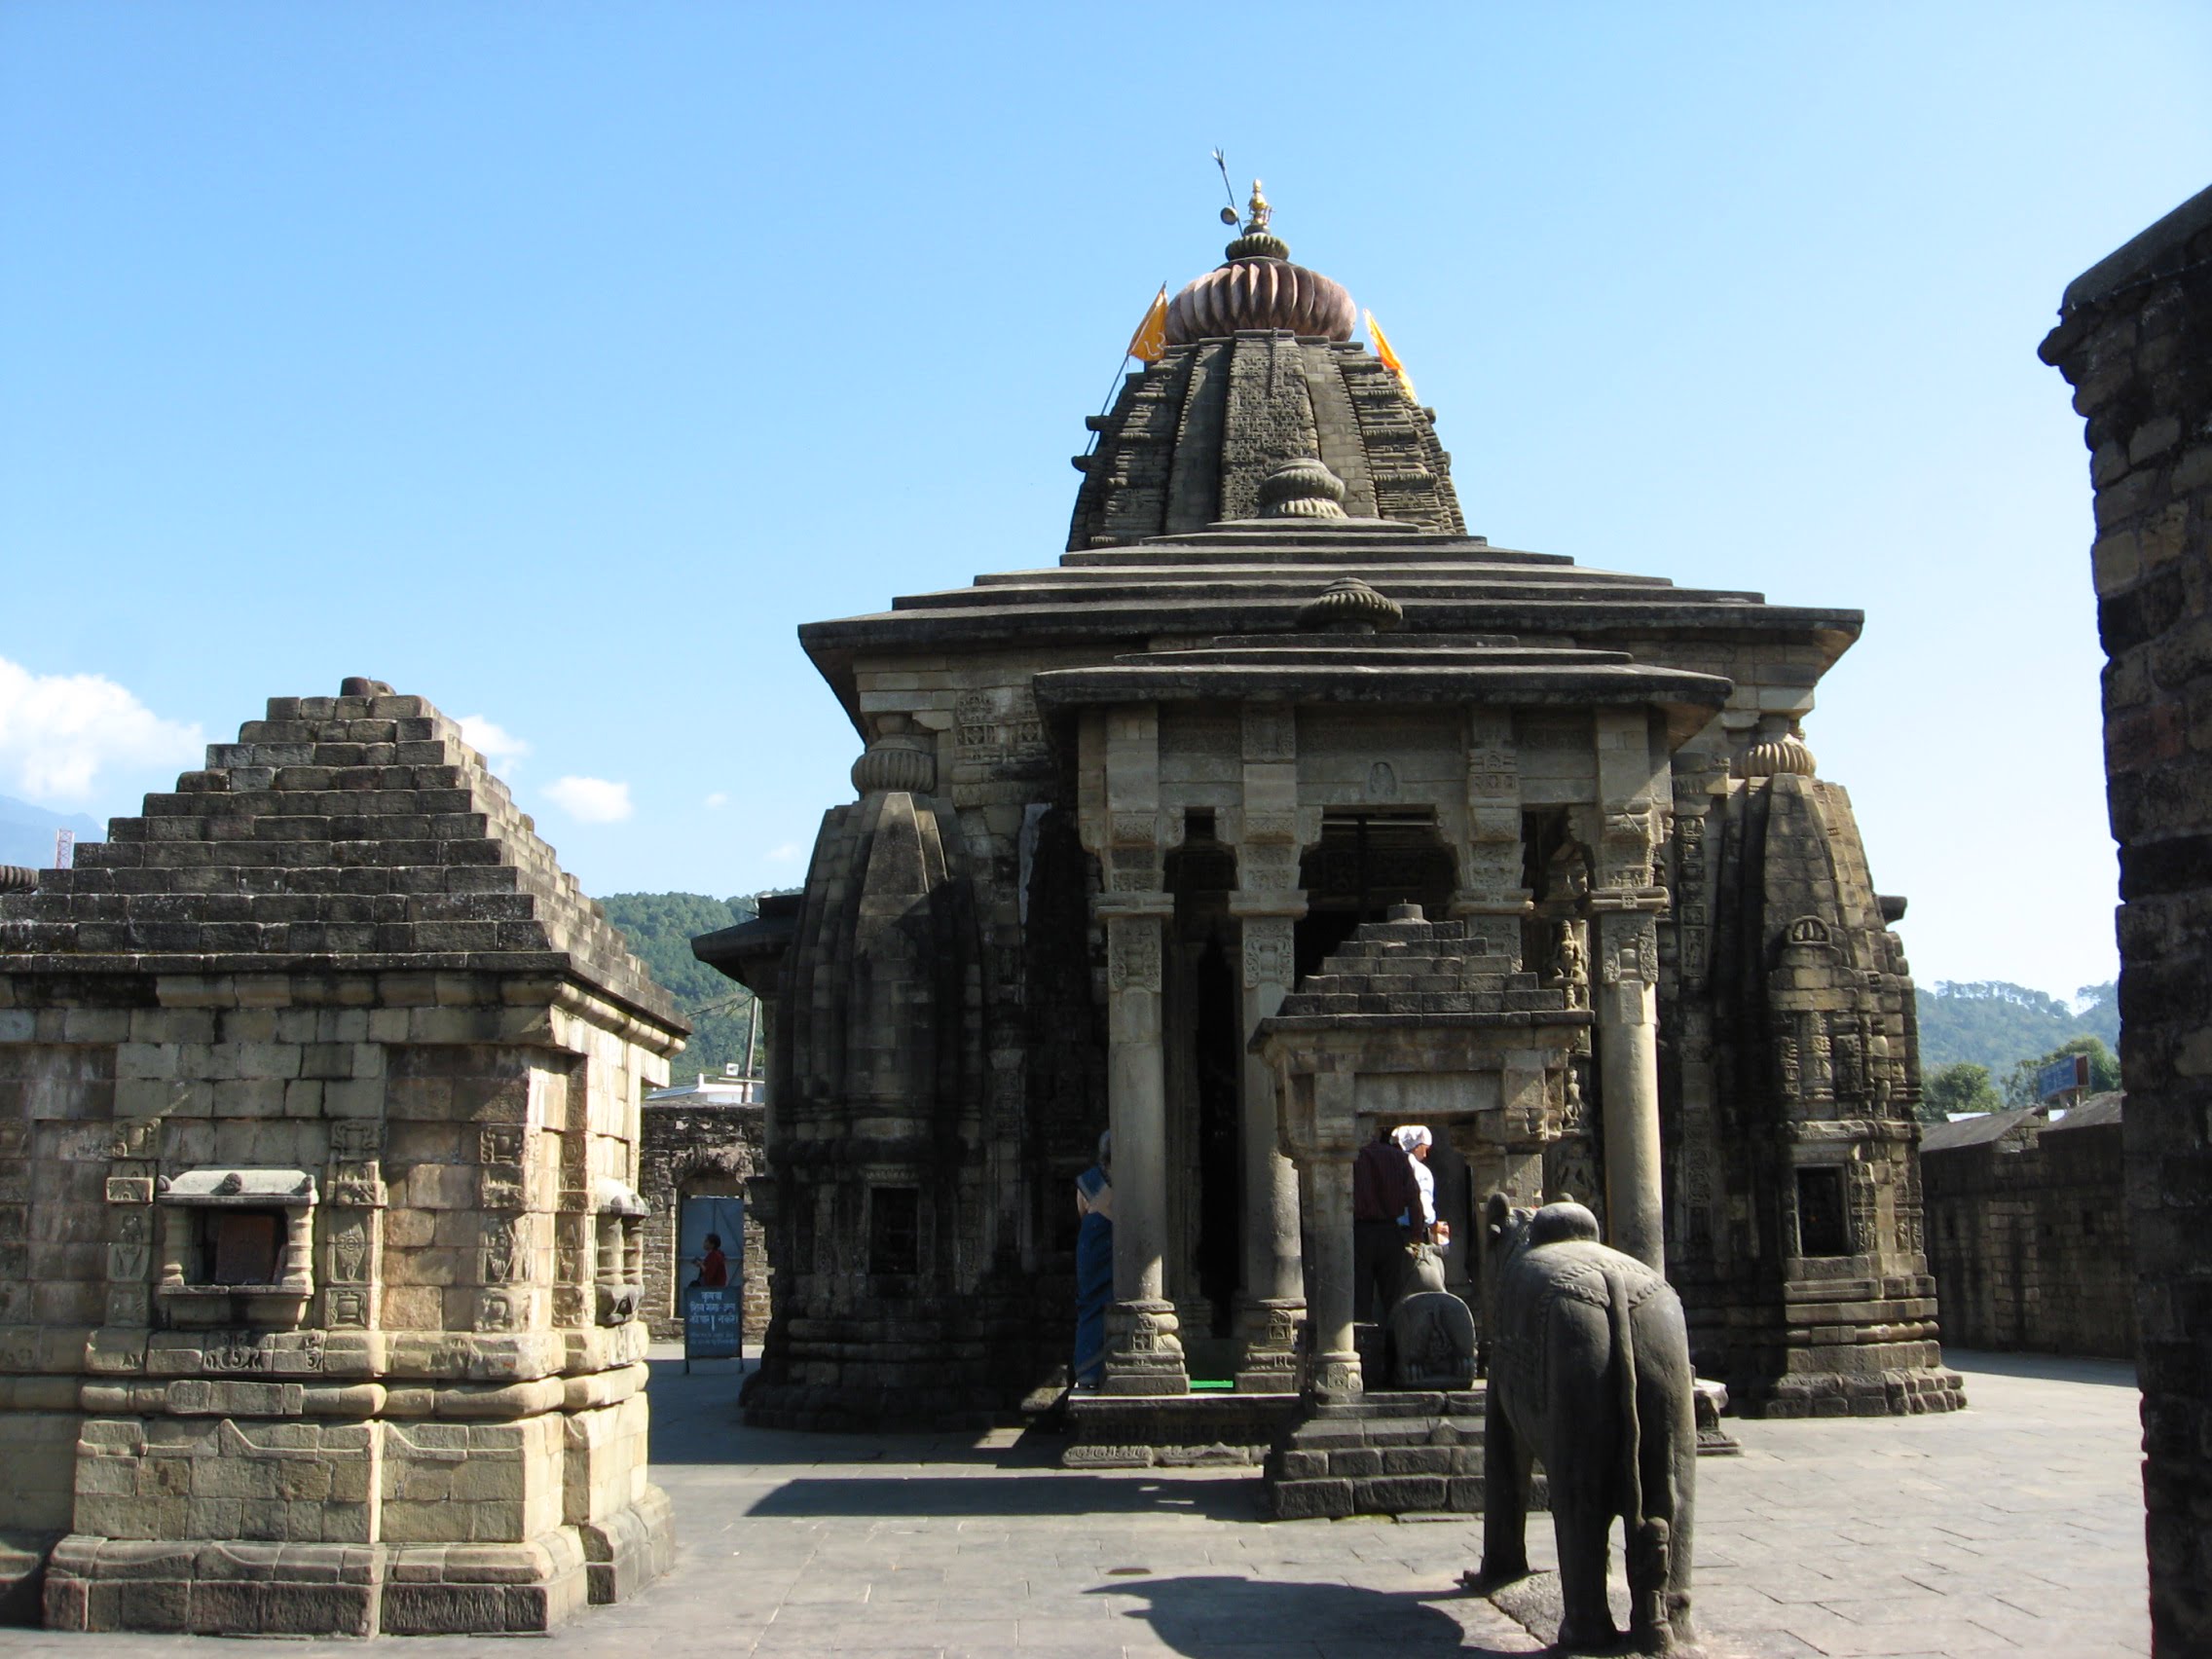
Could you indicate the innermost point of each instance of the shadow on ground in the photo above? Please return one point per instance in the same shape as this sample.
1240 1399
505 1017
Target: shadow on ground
2043 1367
968 1496
1229 1619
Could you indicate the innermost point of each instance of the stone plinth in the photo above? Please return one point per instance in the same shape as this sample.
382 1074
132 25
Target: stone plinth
1390 1453
318 1109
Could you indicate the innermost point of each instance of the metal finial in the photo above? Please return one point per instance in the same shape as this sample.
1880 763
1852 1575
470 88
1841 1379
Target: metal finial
1259 211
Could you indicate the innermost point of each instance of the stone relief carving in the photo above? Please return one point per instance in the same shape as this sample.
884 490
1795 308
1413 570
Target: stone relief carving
1270 733
1381 782
350 1308
1267 952
499 1144
1570 966
1133 956
349 1248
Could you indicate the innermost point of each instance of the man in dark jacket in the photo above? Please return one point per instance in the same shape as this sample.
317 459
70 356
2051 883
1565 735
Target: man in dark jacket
1386 1217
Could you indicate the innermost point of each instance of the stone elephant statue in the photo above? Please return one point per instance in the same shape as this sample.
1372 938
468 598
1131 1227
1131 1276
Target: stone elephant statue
1590 1375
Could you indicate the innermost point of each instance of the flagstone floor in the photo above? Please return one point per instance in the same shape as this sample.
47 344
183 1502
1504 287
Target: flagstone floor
2012 1528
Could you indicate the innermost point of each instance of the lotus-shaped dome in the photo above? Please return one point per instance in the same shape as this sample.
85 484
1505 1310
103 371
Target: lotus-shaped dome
1260 293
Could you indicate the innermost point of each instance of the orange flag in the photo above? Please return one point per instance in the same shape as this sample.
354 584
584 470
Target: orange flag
1149 344
1390 358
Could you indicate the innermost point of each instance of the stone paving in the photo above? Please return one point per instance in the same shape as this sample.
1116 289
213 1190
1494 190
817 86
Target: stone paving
2016 1527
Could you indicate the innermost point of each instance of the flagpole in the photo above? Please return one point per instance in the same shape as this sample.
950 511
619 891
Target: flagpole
1127 357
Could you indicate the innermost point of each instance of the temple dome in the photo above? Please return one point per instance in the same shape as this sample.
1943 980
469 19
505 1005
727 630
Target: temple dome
1259 287
1260 293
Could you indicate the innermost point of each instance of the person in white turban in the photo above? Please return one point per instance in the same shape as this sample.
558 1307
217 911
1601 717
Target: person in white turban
1416 1139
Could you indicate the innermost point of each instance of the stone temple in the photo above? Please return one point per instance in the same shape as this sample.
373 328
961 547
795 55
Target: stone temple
1281 807
320 1247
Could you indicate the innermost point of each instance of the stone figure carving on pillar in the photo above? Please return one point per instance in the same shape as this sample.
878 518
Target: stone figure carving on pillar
1570 966
1590 1375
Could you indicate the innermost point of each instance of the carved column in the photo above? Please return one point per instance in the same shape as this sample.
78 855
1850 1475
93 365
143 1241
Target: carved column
1273 1298
1623 901
1144 1356
1271 833
1332 1368
1119 794
1491 859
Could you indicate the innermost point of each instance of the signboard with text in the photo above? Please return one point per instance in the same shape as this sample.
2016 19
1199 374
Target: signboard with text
714 1321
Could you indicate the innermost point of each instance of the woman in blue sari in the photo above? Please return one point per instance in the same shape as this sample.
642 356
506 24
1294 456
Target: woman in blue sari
1093 1264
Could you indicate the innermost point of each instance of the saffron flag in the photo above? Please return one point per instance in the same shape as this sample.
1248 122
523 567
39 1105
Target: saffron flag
1149 344
1388 358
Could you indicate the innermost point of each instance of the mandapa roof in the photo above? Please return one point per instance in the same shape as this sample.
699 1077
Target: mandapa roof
356 832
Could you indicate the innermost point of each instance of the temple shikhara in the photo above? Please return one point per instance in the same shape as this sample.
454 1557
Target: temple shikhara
1280 807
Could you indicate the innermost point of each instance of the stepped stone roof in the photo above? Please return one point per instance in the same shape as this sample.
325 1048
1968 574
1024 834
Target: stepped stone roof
357 832
1252 577
1410 968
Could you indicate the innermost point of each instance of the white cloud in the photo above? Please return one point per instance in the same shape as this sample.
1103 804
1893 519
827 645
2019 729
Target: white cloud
500 747
591 800
718 799
59 731
784 854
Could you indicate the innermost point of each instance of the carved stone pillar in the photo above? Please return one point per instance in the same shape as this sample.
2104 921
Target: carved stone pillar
1144 1356
1273 1298
1332 1368
1626 1004
1490 858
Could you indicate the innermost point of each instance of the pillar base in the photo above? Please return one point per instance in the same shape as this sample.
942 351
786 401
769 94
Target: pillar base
1267 1344
1144 1356
1333 1378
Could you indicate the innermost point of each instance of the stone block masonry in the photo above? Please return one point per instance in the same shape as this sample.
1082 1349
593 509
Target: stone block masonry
2027 1234
2134 338
319 1242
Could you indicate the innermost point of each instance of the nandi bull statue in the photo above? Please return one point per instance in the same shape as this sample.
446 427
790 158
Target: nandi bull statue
1590 1375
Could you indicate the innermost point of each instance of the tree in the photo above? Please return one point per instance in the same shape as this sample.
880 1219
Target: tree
1958 1088
2104 1070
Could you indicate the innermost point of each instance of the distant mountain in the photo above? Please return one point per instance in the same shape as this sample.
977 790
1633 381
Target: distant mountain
1996 1024
26 831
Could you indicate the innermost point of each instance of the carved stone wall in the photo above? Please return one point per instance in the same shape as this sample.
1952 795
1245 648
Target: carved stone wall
2135 339
319 1128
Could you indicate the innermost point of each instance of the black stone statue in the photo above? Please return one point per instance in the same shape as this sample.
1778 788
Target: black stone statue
1590 1373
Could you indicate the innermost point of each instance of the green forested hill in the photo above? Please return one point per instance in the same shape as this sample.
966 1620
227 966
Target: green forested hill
1988 1022
660 926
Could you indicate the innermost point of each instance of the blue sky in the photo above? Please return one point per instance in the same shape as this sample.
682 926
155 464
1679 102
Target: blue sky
556 362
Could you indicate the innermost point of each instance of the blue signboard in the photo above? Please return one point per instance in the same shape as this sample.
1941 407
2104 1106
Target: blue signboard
2060 1076
714 1323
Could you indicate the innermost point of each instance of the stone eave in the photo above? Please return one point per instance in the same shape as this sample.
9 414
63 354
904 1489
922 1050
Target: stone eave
1688 700
508 963
833 645
750 951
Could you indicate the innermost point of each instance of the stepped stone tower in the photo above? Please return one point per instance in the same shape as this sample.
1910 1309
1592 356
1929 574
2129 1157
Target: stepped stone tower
320 1262
1113 811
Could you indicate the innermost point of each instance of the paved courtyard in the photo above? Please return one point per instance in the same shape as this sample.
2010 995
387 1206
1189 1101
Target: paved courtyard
2012 1528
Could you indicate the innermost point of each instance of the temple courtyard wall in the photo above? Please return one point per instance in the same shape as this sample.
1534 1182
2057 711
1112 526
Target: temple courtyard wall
2027 1234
